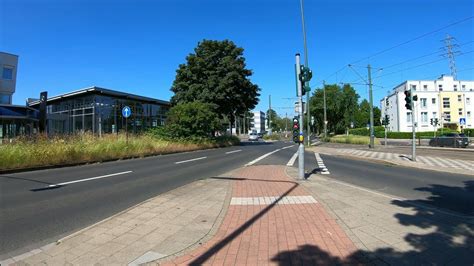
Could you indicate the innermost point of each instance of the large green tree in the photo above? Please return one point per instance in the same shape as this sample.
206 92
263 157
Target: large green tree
216 73
194 119
341 106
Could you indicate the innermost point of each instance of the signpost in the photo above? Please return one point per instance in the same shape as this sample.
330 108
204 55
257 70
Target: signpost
126 112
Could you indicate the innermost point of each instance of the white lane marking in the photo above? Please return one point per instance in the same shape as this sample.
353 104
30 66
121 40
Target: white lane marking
229 152
88 179
195 159
287 147
400 199
323 169
292 159
262 157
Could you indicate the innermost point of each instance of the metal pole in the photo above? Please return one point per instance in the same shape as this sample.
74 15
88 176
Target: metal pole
308 130
325 117
270 114
371 110
413 144
300 109
126 130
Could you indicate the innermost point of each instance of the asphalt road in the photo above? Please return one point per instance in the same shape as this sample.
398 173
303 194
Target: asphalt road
35 211
39 207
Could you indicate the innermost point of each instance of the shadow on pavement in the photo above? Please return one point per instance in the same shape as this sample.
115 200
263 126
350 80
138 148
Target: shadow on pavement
222 243
450 241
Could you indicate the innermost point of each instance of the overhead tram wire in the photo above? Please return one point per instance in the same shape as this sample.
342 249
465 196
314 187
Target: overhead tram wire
414 39
424 64
419 57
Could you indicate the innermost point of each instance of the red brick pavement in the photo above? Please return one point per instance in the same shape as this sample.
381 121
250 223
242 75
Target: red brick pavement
290 234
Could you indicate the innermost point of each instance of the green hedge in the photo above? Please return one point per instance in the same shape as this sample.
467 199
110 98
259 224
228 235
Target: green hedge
380 133
469 132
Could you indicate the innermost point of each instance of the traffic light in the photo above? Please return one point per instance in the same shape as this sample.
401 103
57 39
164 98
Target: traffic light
408 100
296 130
305 76
432 122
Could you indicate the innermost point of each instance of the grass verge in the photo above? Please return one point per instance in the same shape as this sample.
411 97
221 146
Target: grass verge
351 139
42 152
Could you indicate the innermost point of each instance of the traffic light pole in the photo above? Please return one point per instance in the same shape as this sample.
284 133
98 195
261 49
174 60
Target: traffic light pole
413 144
301 174
325 118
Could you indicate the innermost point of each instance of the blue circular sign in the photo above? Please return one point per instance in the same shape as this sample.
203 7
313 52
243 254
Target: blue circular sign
126 112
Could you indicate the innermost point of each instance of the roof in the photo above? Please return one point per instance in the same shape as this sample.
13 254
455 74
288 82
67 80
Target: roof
103 91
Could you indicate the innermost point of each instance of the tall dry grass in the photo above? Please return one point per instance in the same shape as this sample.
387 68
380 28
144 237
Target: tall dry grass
84 148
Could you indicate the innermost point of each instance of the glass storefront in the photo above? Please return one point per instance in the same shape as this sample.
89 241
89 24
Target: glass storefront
102 114
16 121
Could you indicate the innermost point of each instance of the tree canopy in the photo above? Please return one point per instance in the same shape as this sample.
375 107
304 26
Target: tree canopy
342 108
216 73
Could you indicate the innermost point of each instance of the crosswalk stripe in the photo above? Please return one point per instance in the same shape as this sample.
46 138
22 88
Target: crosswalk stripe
425 160
458 163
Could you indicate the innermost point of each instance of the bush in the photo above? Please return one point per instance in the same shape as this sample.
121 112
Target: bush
363 131
351 139
191 120
272 137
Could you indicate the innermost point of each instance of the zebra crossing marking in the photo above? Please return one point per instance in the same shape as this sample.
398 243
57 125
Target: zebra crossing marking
427 160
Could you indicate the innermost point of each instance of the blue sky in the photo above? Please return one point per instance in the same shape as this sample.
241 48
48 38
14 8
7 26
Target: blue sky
136 46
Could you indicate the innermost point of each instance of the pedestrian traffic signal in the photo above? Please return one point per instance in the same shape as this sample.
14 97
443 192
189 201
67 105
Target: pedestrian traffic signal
408 100
296 130
386 120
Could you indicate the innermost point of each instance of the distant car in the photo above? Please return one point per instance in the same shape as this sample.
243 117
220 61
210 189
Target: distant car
253 137
260 135
450 140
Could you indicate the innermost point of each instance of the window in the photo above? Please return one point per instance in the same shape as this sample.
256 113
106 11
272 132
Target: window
455 87
435 115
463 87
468 101
413 87
459 98
440 87
433 100
7 73
468 114
447 116
424 117
408 117
446 103
423 102
4 99
460 111
425 87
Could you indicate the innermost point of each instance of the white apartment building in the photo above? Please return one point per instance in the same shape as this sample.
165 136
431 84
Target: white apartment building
447 99
257 123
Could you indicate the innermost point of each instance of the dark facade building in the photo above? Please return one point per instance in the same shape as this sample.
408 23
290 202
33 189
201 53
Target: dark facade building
99 111
17 121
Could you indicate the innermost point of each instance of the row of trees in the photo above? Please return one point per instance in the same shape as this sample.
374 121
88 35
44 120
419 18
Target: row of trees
213 89
342 109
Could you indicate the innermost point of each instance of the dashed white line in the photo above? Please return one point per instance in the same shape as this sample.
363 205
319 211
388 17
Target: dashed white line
88 179
287 147
262 157
191 160
229 152
292 159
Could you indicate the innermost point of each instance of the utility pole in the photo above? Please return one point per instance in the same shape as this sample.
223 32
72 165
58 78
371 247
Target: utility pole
371 109
301 117
307 65
286 124
325 117
450 53
269 114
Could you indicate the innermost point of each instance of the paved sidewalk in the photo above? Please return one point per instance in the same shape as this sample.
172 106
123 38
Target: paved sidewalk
423 162
272 220
162 226
388 230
